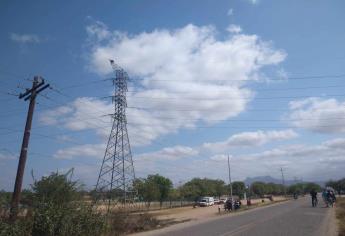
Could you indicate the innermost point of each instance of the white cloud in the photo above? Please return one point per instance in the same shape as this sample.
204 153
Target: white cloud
187 77
81 114
98 31
251 139
168 153
25 38
219 157
235 29
323 161
51 117
179 67
230 12
318 115
86 150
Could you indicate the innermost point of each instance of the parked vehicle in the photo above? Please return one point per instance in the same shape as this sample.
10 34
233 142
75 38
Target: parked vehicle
206 201
222 200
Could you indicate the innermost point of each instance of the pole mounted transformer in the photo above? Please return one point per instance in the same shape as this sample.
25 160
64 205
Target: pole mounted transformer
116 176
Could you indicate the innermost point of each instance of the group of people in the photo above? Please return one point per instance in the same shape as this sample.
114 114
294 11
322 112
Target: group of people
328 197
232 205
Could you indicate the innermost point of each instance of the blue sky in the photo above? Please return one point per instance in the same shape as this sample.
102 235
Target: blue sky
260 80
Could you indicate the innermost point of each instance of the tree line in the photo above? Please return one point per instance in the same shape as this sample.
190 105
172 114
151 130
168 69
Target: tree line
159 188
337 185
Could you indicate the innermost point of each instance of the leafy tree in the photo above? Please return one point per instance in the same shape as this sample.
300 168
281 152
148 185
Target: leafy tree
175 194
238 188
296 188
203 187
219 188
272 188
56 189
160 183
336 185
258 188
311 186
56 210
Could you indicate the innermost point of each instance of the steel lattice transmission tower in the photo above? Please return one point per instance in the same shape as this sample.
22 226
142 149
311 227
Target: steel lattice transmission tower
116 176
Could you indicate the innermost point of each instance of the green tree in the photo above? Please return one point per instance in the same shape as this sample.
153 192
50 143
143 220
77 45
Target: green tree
238 188
258 188
163 184
296 188
59 211
219 188
336 185
274 189
56 188
203 187
311 186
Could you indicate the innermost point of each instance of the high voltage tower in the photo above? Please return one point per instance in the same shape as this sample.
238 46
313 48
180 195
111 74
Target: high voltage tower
116 176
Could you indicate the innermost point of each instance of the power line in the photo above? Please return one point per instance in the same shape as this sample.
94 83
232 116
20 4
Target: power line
247 80
262 89
205 99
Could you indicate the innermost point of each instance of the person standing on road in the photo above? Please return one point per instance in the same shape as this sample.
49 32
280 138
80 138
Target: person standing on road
313 195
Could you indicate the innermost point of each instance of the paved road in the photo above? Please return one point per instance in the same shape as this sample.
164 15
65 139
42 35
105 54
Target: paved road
295 218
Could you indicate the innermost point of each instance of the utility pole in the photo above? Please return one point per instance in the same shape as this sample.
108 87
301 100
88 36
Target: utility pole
283 181
29 94
230 184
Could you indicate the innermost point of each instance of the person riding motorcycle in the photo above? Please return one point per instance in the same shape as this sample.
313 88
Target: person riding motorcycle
330 198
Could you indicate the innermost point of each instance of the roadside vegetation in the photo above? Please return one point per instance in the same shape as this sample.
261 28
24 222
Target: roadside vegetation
338 185
303 188
340 213
57 205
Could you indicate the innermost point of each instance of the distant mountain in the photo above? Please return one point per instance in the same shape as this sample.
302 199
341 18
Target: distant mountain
269 179
266 179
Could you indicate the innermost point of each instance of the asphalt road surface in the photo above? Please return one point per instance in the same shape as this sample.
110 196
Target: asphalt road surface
295 217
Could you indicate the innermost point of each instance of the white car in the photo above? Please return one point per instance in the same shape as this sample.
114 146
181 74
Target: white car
206 201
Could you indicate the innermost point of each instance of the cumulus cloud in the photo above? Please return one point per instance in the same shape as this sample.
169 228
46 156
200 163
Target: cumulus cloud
317 115
244 139
25 38
251 139
185 74
86 150
168 153
322 161
219 157
81 114
182 78
98 31
234 29
311 162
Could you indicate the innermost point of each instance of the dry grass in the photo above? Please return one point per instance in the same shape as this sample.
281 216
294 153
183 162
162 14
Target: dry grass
123 224
340 213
